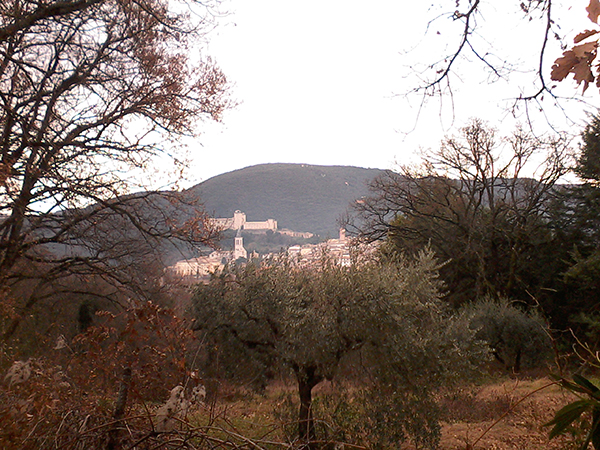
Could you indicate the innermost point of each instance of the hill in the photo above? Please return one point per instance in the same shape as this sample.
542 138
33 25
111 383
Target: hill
300 197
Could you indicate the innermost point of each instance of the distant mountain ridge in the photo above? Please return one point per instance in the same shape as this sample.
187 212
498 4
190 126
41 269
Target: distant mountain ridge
301 197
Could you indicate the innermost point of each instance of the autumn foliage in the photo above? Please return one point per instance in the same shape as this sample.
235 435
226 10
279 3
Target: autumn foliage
580 58
70 396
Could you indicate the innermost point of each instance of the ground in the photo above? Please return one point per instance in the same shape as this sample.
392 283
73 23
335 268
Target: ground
496 415
504 416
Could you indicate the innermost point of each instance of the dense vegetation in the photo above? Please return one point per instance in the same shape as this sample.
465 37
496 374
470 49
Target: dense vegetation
467 279
469 274
529 239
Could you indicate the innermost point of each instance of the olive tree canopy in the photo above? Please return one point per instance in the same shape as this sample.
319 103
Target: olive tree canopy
384 320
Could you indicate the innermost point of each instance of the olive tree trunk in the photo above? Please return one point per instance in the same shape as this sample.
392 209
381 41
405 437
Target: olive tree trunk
307 380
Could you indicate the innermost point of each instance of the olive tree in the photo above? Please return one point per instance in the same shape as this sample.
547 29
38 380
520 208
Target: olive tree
518 338
314 319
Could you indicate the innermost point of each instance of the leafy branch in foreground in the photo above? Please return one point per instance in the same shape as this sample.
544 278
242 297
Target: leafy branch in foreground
581 417
565 419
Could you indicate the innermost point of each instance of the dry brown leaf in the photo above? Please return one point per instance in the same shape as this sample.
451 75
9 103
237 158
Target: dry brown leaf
593 10
586 50
563 65
583 73
585 34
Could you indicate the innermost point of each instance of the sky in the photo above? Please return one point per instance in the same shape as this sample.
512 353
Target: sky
328 81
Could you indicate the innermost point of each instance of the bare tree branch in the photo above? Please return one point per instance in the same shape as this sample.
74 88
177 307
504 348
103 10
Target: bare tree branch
87 90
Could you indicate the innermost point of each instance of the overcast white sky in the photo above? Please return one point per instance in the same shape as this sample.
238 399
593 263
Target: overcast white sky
322 81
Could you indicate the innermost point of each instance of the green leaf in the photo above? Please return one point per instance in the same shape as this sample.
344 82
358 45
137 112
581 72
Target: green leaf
573 387
567 415
585 383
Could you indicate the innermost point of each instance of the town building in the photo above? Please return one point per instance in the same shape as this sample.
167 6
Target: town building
200 269
238 249
337 249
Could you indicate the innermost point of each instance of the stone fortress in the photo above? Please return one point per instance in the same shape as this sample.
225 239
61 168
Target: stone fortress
239 222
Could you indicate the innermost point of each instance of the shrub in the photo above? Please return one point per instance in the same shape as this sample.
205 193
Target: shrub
82 393
517 338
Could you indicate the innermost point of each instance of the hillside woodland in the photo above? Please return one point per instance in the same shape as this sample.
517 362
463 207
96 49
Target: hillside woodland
301 197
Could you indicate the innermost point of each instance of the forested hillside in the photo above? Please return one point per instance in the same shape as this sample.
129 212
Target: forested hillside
300 197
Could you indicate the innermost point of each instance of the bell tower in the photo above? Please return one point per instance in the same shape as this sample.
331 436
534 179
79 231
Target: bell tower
238 249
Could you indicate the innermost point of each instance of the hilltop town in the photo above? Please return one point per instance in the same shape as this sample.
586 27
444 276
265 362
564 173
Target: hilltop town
200 268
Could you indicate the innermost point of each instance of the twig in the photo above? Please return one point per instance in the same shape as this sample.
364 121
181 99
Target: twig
497 421
59 428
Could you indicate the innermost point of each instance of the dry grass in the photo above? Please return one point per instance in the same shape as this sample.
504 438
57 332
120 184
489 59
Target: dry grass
502 415
506 415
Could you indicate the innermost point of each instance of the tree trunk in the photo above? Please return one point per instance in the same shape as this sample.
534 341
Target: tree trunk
113 433
517 366
307 380
16 321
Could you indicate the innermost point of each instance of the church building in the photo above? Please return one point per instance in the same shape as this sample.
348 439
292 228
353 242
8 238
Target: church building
238 250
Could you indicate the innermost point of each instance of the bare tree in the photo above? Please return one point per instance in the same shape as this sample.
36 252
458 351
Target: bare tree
90 90
473 45
477 201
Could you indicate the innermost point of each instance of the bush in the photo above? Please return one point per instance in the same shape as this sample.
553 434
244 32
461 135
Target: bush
517 338
85 391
